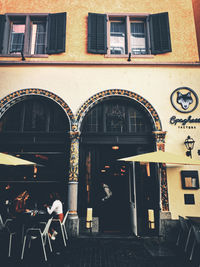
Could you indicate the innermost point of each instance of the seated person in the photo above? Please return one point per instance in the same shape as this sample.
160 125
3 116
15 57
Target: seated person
56 210
21 202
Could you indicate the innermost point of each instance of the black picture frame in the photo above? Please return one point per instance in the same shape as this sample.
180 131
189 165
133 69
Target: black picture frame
190 179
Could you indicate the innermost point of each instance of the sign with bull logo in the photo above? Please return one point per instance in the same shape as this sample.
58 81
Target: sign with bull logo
184 100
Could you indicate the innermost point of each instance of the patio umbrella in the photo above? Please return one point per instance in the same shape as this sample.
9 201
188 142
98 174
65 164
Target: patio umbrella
162 157
6 159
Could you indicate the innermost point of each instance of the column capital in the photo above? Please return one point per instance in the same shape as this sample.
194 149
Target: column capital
74 133
160 139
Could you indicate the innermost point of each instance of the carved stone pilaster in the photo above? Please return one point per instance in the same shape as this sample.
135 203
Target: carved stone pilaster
73 220
160 145
160 140
74 154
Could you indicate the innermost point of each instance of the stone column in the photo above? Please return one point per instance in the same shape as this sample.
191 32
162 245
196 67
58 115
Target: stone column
160 145
73 221
165 215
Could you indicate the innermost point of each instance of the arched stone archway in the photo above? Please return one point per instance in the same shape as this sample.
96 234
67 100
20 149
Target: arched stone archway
22 94
95 99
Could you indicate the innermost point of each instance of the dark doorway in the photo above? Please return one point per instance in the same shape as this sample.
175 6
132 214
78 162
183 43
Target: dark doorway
115 128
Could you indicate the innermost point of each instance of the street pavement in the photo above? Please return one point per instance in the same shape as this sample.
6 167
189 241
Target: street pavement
102 251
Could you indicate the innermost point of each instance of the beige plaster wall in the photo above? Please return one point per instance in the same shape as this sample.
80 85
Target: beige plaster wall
75 85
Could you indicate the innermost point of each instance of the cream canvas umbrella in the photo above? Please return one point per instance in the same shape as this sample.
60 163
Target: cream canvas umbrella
162 157
6 159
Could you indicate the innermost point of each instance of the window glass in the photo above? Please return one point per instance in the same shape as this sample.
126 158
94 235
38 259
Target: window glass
38 37
91 121
136 121
35 116
117 37
138 42
17 37
115 118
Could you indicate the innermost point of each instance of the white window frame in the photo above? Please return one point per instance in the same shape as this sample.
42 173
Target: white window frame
127 18
28 17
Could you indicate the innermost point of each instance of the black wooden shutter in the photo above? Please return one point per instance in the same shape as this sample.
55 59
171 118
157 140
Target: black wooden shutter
56 33
2 26
97 33
160 33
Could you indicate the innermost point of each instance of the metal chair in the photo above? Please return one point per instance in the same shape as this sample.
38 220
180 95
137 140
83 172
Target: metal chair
183 233
63 228
196 245
6 226
36 233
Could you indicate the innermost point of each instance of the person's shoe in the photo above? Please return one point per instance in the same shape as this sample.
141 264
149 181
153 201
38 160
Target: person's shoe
53 236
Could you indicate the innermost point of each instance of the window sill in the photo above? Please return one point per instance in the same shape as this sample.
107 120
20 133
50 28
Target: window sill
126 56
26 56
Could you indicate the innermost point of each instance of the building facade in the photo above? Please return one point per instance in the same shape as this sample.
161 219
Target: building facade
85 84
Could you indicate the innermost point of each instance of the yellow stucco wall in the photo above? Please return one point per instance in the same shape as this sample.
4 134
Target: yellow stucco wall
183 37
196 6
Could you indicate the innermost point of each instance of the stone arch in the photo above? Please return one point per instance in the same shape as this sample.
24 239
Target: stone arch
95 99
17 96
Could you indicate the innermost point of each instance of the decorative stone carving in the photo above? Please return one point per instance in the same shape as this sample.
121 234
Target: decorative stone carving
74 153
160 145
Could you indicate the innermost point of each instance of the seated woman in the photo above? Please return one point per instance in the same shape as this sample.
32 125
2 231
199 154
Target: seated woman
19 209
21 201
56 210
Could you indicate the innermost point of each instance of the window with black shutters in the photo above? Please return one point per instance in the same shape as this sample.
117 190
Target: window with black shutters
122 35
32 34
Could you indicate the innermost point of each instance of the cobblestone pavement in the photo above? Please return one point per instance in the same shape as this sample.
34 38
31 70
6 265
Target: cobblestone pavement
104 252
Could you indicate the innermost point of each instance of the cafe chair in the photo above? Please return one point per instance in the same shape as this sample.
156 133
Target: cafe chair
37 234
62 226
183 233
194 256
7 227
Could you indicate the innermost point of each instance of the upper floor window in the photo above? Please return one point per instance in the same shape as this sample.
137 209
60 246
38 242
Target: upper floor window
125 34
32 34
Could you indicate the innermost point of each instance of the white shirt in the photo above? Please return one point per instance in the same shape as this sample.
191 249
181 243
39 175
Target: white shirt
56 207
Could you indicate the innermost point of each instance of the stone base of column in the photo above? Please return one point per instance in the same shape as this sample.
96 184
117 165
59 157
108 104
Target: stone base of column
72 225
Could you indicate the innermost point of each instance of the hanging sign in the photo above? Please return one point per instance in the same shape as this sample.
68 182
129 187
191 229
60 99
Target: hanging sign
184 100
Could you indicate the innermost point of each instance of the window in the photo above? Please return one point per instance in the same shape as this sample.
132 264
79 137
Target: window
190 179
116 117
189 199
34 115
32 34
125 34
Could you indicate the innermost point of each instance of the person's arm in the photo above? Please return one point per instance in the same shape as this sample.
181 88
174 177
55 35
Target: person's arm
52 209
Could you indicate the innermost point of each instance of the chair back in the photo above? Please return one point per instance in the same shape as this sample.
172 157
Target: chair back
183 223
46 228
65 218
196 230
1 223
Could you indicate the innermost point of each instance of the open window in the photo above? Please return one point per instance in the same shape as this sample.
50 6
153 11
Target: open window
32 34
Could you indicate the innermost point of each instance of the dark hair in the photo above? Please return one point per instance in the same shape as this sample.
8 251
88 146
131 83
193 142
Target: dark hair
55 195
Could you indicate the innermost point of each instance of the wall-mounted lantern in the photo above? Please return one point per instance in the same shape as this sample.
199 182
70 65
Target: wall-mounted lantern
189 144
